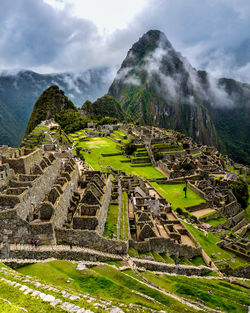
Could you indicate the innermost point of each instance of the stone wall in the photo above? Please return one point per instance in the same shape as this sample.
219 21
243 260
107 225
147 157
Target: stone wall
24 163
104 208
231 209
63 202
197 207
13 229
167 245
40 187
172 268
243 271
61 254
43 232
197 190
164 167
89 239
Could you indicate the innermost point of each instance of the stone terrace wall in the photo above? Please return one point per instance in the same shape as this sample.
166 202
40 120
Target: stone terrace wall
197 207
160 244
89 239
164 167
231 209
243 271
197 190
61 254
172 268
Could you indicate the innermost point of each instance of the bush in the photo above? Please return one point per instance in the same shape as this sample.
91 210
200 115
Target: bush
71 120
108 120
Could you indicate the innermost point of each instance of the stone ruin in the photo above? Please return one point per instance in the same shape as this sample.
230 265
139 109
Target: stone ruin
35 199
152 222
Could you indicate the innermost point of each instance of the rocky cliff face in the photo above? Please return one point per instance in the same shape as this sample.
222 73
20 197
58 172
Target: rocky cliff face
157 86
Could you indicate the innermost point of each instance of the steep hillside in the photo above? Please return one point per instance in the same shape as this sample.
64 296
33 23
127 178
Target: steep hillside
102 107
10 127
18 93
50 102
157 86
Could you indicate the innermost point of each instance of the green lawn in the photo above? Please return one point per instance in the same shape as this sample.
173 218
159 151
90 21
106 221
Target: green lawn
209 245
99 145
225 296
105 282
175 195
217 221
110 228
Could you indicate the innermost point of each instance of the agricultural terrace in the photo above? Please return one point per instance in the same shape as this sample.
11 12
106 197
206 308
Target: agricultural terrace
127 287
176 196
209 244
103 145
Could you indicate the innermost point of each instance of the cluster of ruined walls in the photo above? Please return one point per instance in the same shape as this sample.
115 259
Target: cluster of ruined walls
24 162
40 187
14 222
167 245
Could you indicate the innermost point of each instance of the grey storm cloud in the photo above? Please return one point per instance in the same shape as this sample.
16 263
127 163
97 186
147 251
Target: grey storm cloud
212 34
32 34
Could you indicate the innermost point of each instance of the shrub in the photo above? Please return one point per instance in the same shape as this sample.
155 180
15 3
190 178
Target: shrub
71 120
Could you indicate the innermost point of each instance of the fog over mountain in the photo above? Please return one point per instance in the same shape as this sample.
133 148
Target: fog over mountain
157 86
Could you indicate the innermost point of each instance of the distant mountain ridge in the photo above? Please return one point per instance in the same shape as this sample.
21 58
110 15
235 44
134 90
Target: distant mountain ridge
157 86
19 92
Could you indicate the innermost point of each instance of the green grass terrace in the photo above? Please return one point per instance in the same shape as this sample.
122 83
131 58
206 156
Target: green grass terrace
175 195
103 145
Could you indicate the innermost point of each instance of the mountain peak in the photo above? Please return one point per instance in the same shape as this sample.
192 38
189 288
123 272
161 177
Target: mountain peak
157 37
50 102
150 41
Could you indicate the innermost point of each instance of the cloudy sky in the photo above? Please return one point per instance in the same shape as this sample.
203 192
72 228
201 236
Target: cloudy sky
74 35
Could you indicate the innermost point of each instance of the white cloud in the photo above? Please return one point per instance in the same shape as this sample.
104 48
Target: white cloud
74 35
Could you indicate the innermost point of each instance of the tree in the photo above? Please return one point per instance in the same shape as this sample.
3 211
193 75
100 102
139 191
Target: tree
71 120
